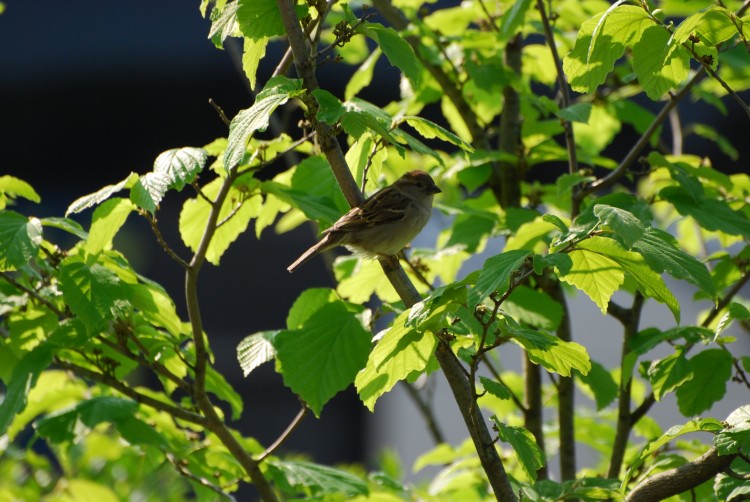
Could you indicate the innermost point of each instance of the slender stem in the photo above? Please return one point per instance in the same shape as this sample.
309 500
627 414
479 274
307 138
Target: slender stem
197 479
562 84
10 280
284 435
163 243
533 415
624 417
214 422
637 148
428 414
496 375
119 385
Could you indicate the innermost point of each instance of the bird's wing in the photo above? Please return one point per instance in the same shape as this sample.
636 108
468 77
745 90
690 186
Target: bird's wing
385 206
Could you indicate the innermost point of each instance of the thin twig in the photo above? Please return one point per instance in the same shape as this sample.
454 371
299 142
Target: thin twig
119 385
163 243
284 435
428 414
496 375
220 111
612 178
562 85
177 464
10 280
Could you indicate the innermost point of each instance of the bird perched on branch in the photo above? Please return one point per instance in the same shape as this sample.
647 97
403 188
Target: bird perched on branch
384 223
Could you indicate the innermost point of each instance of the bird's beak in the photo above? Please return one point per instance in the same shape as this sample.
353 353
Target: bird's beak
435 189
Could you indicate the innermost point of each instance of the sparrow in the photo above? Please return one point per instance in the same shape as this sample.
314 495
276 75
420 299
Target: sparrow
386 222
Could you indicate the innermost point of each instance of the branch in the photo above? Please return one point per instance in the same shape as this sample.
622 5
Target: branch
119 385
284 435
681 479
396 275
10 280
624 416
639 145
182 471
562 84
163 243
426 411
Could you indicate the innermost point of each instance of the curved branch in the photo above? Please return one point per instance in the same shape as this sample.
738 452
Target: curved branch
681 479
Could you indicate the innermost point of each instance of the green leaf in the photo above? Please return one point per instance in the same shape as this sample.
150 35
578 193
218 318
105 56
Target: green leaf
100 195
320 479
180 166
622 222
330 108
276 92
136 431
401 352
712 26
148 192
495 275
259 18
306 304
711 214
533 307
661 252
596 275
10 185
63 425
578 112
601 384
513 19
20 238
253 52
429 130
323 357
734 311
66 224
549 351
397 50
649 282
696 425
223 23
497 389
669 373
660 65
156 306
94 293
601 41
195 213
530 456
711 370
106 222
219 386
255 350
24 378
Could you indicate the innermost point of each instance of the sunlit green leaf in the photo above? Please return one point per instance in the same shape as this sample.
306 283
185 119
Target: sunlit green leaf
320 479
106 222
711 370
530 456
255 350
20 238
276 92
495 275
324 355
180 166
401 352
669 373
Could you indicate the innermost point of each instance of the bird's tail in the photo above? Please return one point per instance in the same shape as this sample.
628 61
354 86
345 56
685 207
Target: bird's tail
321 246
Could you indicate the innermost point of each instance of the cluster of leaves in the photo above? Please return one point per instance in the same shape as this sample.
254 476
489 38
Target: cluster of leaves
81 328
